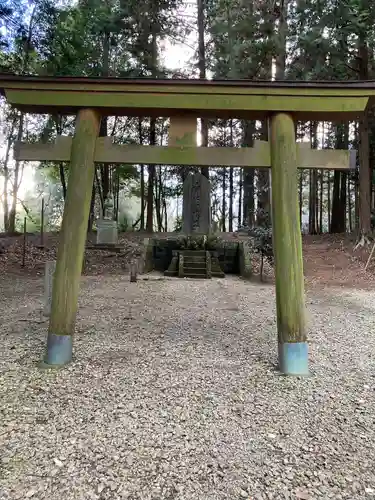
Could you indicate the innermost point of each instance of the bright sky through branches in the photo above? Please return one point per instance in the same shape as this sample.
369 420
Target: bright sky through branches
174 54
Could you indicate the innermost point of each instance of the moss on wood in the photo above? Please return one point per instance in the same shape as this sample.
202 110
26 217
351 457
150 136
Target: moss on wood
174 103
74 225
287 240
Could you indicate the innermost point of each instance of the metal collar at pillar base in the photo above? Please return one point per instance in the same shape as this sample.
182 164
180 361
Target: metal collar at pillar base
294 358
59 350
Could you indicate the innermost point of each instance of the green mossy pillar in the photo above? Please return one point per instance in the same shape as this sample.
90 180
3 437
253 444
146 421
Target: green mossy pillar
72 240
287 242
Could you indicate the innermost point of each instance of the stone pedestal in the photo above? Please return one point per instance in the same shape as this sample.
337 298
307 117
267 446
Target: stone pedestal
107 232
196 217
49 272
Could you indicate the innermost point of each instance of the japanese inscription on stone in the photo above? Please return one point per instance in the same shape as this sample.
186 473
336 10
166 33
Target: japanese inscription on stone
196 204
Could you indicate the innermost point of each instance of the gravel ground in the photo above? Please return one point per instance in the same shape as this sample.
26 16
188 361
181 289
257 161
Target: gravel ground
174 395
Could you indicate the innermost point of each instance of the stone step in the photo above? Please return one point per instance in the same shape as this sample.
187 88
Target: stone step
217 275
194 253
216 269
195 257
195 276
193 260
195 263
194 270
216 266
170 273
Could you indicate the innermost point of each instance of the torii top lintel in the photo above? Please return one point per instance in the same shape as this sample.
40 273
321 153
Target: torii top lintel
201 98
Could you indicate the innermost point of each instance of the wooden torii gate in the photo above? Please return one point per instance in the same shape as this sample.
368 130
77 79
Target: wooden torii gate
183 101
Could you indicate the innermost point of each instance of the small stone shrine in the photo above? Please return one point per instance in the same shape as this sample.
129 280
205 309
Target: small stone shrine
107 231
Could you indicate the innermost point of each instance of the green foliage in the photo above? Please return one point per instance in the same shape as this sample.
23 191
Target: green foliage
212 242
178 224
124 223
209 242
261 237
191 243
262 242
243 38
119 38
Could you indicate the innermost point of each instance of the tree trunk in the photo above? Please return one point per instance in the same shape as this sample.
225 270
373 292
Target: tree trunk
248 180
62 178
16 182
143 197
356 205
150 201
338 219
224 200
105 168
263 188
300 196
335 217
231 196
151 168
350 212
328 201
231 186
321 191
6 180
364 146
117 193
313 193
280 59
151 181
202 71
157 198
165 208
99 187
364 178
343 191
10 215
239 217
92 209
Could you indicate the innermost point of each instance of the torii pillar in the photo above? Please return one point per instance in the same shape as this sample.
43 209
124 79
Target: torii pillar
287 242
72 240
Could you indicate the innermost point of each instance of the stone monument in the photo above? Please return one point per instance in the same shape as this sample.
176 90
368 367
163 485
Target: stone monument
107 231
196 214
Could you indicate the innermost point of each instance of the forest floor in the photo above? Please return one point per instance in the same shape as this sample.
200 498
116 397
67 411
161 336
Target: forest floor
173 392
